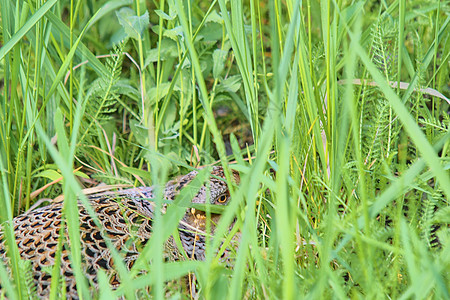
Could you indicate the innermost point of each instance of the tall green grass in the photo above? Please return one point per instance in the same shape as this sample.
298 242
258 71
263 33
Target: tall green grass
344 190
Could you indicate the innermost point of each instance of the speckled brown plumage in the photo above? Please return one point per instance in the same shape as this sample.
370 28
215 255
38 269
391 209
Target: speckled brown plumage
126 219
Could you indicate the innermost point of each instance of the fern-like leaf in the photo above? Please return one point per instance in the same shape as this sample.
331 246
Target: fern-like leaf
377 121
104 90
27 271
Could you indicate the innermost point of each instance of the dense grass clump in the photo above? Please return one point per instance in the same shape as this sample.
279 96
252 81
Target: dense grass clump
335 113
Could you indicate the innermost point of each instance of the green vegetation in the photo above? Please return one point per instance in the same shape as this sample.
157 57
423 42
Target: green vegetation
344 173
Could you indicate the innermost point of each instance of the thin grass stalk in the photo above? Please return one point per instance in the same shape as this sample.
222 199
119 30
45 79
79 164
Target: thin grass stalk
248 239
284 219
204 94
146 111
165 225
16 109
20 152
238 278
75 190
425 61
398 186
56 270
251 181
327 42
194 108
213 95
17 37
254 26
119 264
307 161
8 231
34 91
10 289
237 36
58 78
401 35
60 29
226 219
70 206
29 150
361 188
158 238
172 84
182 100
264 71
71 26
310 104
70 189
343 129
436 26
416 134
249 233
158 72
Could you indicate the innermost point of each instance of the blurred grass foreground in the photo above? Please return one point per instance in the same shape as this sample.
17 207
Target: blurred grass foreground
336 114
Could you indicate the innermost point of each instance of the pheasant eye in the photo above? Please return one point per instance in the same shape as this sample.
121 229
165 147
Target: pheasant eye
222 199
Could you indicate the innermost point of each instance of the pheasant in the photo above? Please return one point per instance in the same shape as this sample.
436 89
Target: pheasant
122 215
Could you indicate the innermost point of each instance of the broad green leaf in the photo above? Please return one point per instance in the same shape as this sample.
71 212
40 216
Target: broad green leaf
141 173
109 7
133 25
214 17
219 58
157 93
25 28
231 84
174 33
50 174
164 15
139 131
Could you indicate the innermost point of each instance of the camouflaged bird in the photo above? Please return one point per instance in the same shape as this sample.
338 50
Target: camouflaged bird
122 215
